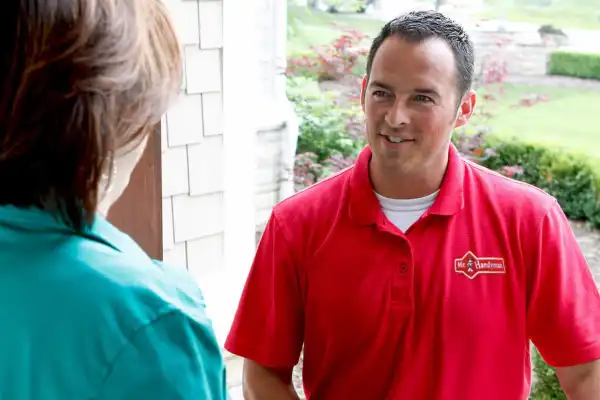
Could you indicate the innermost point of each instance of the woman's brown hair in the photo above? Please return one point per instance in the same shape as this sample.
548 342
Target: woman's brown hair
80 79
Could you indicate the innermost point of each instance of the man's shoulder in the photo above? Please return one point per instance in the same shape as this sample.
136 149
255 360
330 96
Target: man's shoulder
318 200
508 193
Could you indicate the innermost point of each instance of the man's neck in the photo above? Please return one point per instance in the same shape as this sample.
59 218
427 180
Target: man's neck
414 184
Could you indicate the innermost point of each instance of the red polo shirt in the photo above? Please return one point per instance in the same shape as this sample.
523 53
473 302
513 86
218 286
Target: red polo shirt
443 311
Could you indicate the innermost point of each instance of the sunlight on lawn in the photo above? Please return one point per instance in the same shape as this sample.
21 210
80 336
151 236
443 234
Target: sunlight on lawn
568 119
578 19
580 14
312 27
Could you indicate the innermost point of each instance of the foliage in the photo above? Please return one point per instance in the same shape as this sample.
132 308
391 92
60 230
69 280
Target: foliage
330 135
326 129
314 27
308 170
581 65
345 5
331 61
547 386
570 178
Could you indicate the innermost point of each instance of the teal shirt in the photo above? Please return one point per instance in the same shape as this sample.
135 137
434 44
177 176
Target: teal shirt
93 317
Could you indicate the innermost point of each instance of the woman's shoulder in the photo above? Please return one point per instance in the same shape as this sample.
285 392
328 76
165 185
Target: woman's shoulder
127 284
100 303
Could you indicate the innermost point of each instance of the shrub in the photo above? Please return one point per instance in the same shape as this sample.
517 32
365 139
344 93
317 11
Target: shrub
323 130
343 56
308 170
581 65
570 178
326 129
547 386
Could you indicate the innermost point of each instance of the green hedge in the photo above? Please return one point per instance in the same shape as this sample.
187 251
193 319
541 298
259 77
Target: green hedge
575 182
572 178
580 65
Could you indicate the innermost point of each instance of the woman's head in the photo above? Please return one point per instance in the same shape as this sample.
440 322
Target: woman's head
82 83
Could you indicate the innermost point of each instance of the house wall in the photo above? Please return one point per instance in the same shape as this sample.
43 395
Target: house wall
225 143
192 143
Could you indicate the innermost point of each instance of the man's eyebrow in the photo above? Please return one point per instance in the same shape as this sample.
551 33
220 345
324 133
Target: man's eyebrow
427 91
381 85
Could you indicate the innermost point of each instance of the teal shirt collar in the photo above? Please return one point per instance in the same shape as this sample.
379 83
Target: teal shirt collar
25 222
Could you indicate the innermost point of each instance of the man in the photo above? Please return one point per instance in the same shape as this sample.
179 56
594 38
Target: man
416 274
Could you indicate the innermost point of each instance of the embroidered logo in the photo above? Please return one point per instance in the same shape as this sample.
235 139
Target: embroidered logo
470 265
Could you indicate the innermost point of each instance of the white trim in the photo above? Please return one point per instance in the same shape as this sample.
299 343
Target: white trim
240 75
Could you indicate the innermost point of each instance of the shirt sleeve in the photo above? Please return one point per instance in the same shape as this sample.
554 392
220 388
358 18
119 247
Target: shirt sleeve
269 324
175 357
564 304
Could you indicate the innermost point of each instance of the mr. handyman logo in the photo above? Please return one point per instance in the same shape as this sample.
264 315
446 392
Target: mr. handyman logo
470 265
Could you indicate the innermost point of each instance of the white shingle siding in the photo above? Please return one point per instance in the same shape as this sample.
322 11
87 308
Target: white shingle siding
206 166
177 256
197 216
185 17
175 171
192 143
205 255
211 24
184 121
212 112
193 152
203 70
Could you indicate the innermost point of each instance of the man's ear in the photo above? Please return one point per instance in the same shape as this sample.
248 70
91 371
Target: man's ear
363 92
466 108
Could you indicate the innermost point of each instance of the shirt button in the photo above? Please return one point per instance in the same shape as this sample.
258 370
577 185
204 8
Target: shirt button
403 268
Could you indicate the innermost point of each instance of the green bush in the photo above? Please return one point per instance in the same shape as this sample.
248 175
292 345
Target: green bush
581 65
571 178
326 129
547 386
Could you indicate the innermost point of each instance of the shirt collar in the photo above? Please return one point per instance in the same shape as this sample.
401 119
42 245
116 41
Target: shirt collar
18 225
365 208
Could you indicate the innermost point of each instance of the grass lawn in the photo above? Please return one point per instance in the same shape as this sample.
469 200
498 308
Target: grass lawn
310 27
582 14
569 119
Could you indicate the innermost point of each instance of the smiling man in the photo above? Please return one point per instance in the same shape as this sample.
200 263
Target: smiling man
416 274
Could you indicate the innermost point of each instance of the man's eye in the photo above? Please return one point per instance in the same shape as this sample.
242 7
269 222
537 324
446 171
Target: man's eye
380 93
423 98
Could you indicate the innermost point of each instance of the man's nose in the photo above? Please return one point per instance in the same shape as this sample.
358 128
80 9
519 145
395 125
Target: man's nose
397 115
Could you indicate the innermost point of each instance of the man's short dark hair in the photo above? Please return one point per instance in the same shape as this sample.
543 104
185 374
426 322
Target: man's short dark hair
417 26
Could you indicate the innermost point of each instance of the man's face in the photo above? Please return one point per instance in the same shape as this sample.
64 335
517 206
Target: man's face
410 104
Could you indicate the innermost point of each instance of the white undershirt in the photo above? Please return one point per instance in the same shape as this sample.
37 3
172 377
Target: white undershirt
405 212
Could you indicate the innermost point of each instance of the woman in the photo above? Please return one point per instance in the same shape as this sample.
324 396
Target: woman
84 313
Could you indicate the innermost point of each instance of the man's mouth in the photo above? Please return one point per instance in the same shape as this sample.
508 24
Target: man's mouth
395 139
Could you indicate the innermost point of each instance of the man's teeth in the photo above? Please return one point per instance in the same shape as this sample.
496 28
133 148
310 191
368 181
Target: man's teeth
395 139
